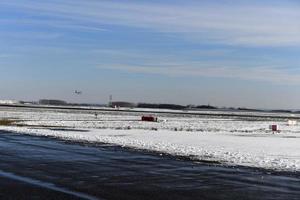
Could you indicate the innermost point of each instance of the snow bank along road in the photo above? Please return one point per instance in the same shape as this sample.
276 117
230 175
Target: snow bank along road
244 141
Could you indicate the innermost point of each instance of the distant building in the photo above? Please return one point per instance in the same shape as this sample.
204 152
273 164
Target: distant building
9 102
28 102
52 102
122 104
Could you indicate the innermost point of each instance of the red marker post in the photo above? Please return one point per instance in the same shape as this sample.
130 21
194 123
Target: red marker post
274 128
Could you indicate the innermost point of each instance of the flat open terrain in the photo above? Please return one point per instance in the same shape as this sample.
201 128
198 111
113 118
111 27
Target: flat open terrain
237 140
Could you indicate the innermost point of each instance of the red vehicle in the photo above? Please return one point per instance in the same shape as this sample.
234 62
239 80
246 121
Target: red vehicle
149 118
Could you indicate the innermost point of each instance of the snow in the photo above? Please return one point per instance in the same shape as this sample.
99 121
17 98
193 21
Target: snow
227 140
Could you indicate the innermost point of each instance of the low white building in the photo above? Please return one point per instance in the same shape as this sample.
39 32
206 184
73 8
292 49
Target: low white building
9 102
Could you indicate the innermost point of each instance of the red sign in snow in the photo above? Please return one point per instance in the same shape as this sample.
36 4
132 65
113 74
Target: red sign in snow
274 127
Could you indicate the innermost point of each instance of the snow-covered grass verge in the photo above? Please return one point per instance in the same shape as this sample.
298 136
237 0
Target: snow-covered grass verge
265 151
225 140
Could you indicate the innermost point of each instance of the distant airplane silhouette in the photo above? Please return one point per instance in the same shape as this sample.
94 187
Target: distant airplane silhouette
78 92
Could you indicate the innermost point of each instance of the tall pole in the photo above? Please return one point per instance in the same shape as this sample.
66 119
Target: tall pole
110 100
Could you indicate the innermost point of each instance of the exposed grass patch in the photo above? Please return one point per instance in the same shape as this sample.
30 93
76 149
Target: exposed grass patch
6 122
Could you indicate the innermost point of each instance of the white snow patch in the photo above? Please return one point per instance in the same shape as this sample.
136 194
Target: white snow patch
272 151
225 140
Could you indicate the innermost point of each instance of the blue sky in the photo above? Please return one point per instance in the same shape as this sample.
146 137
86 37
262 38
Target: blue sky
225 52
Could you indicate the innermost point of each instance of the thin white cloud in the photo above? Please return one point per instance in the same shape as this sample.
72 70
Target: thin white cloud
60 24
5 55
31 35
271 75
240 24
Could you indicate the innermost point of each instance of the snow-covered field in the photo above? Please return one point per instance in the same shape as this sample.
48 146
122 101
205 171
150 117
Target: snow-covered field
230 140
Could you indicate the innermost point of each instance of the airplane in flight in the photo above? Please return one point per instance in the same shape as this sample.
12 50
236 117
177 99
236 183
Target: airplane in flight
78 92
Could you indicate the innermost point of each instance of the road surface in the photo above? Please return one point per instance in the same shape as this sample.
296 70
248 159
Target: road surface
45 168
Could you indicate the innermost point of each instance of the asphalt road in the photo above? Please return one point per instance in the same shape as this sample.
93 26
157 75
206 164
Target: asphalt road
45 168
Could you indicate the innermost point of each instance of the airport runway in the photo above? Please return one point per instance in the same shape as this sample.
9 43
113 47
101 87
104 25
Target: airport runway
45 168
203 112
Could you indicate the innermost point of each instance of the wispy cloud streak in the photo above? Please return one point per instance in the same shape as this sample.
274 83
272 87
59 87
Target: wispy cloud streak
234 24
264 74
